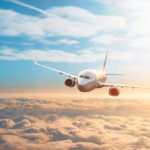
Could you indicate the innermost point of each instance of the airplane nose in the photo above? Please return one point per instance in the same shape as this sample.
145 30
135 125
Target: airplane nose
82 85
86 85
82 82
81 88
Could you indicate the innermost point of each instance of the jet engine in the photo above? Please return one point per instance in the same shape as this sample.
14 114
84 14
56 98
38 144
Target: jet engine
70 82
114 91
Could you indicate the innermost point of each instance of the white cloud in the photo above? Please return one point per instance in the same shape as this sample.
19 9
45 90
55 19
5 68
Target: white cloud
80 56
13 24
136 13
62 41
52 55
140 43
60 21
68 42
105 39
7 51
126 7
139 26
86 55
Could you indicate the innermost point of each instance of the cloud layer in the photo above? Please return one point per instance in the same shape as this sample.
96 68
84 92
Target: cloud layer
62 122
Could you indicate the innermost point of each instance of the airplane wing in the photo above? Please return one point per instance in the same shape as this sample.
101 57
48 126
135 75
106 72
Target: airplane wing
60 72
100 84
110 74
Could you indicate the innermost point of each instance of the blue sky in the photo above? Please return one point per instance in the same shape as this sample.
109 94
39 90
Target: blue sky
71 35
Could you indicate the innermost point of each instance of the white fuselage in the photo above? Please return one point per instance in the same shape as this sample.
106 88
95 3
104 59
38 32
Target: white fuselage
88 79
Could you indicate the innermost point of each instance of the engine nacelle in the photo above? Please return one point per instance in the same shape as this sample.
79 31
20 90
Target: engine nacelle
70 82
114 91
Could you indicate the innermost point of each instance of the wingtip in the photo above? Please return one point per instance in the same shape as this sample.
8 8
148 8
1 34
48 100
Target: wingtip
35 62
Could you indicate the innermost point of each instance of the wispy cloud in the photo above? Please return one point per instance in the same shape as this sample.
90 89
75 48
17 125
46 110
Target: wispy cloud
136 13
79 56
51 55
106 39
61 41
7 51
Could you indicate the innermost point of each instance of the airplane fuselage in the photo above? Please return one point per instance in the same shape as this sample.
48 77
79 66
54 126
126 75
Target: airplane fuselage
88 79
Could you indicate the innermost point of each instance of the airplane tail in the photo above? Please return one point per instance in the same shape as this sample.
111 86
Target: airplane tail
105 60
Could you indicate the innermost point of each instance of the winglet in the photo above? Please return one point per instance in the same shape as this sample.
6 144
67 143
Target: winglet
105 59
35 60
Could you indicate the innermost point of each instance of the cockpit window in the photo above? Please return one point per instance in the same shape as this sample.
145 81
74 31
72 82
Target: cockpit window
86 77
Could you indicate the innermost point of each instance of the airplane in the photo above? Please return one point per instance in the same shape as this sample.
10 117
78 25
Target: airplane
90 79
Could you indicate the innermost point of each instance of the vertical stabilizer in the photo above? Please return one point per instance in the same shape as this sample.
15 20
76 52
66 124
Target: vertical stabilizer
105 60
